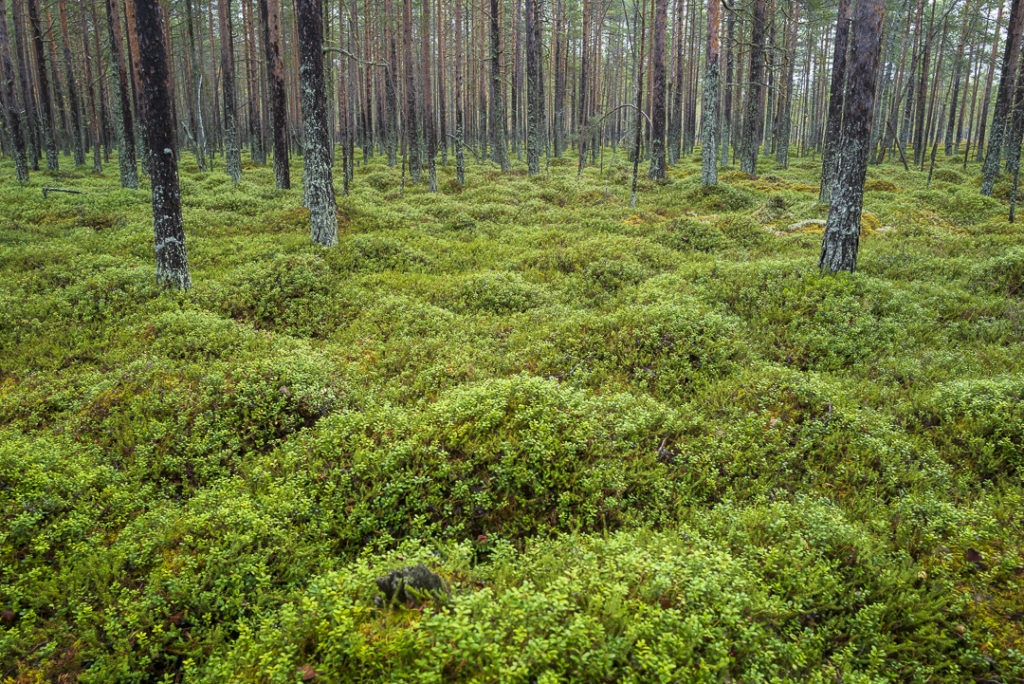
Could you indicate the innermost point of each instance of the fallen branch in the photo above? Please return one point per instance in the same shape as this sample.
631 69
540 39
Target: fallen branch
67 190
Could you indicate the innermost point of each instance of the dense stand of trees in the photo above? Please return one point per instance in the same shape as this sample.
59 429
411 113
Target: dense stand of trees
424 81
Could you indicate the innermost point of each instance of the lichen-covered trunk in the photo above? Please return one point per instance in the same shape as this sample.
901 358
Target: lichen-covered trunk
640 19
412 132
391 90
786 94
534 92
13 116
657 168
125 125
833 125
168 228
499 143
842 230
429 130
1002 107
323 221
752 120
460 155
712 81
559 103
45 106
77 134
727 108
232 151
271 21
95 132
675 126
988 90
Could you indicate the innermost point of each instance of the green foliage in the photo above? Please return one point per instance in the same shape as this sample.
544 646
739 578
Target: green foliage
645 443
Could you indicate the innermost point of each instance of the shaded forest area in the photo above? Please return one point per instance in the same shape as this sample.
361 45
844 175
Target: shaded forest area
662 340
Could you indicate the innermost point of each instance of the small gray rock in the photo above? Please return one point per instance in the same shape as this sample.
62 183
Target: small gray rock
412 584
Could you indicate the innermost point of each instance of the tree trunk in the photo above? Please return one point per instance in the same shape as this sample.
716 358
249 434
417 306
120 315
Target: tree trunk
429 134
641 19
842 230
271 21
534 92
45 107
323 221
232 153
1002 107
168 228
752 120
77 133
126 127
833 127
786 94
11 102
460 157
727 109
709 140
412 132
988 87
657 169
499 143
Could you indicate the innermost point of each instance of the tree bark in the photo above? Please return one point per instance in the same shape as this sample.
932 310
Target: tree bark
270 18
168 229
323 221
1002 107
842 230
10 100
77 133
499 143
232 153
126 136
45 107
833 127
657 169
752 121
712 83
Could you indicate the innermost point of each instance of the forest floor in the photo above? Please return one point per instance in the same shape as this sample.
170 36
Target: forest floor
644 444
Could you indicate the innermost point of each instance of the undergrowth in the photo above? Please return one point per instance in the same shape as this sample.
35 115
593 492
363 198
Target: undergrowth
638 444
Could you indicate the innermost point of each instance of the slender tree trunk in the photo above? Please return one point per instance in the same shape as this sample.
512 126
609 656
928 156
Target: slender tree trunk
709 141
957 69
45 108
752 120
412 132
658 29
641 19
830 156
168 228
270 18
126 126
727 109
786 94
323 221
10 100
1002 107
232 153
77 133
95 132
988 87
429 131
499 143
842 230
534 94
460 158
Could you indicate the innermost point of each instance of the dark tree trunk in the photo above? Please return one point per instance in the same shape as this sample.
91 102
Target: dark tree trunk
988 88
559 104
460 158
126 126
412 132
957 70
842 230
11 109
641 19
1002 107
499 143
95 132
922 94
45 107
657 169
786 94
752 120
727 109
168 228
429 134
675 129
25 78
232 153
391 88
712 81
77 133
271 21
833 127
534 85
323 221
